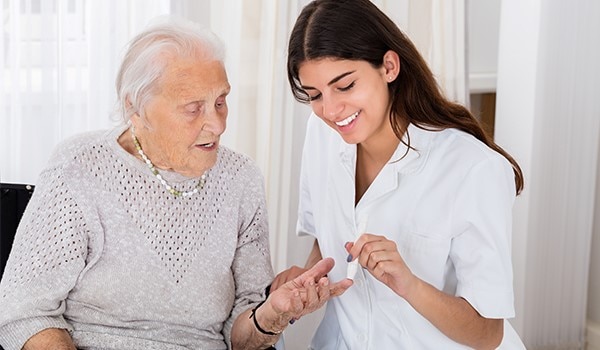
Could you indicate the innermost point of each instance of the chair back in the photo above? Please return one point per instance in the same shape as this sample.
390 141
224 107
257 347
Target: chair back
13 200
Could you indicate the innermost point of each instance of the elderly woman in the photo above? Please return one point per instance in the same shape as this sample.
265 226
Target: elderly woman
153 235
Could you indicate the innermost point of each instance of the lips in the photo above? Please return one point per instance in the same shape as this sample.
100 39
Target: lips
348 120
207 146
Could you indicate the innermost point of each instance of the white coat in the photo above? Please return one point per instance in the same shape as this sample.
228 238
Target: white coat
447 203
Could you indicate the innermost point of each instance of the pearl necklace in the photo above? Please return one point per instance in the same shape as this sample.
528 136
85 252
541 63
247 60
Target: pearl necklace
154 171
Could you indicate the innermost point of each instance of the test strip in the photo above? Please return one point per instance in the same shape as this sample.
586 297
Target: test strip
353 265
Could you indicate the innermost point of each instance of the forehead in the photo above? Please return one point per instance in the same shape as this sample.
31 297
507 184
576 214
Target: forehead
190 77
328 68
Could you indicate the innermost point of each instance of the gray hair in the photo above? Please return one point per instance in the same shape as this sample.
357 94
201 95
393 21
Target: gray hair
148 54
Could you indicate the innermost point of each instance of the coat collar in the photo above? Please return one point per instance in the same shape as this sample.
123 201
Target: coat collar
404 160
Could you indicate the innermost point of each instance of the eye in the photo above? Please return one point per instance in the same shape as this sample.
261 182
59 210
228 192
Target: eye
346 88
221 102
192 108
313 97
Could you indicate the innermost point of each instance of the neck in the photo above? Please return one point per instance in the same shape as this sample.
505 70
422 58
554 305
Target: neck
380 147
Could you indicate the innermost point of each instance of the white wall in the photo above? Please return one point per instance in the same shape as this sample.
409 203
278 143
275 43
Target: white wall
548 118
483 28
593 311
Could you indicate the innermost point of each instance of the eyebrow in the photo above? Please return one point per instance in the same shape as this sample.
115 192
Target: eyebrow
331 82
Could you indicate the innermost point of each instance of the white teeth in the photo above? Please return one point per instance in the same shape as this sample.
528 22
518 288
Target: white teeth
347 120
208 145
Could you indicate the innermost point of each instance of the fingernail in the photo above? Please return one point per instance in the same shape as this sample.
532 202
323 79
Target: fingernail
292 321
349 258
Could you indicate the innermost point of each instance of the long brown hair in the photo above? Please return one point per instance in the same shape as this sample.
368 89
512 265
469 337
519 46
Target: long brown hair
358 30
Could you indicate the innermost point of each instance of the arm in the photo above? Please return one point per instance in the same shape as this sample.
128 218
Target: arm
46 258
300 296
455 317
452 315
314 256
51 338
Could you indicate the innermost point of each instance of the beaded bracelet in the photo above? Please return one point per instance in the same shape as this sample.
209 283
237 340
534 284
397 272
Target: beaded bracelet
253 317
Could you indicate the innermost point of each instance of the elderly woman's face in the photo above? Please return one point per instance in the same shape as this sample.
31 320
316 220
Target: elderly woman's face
187 117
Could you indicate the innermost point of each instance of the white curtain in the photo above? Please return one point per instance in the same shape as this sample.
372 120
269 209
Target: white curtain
264 120
438 29
58 61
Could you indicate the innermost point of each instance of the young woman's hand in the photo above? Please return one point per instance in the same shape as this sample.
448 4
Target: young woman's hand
381 258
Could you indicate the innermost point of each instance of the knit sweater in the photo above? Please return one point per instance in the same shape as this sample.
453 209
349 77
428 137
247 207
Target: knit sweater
104 251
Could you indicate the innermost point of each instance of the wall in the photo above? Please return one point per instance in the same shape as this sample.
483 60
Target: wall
548 118
482 36
593 311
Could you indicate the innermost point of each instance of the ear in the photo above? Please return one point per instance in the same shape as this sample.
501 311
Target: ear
135 119
391 65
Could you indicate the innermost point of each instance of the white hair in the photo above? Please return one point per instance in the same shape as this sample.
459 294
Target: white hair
147 56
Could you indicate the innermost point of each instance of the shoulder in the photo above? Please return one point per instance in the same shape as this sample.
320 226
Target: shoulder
458 158
460 147
237 164
72 148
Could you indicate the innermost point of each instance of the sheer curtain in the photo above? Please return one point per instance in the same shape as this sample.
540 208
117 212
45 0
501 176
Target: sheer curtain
264 121
438 29
58 60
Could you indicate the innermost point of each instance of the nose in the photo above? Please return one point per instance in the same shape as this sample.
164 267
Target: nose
331 107
215 121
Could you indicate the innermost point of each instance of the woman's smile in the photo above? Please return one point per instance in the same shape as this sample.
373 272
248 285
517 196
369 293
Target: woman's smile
348 120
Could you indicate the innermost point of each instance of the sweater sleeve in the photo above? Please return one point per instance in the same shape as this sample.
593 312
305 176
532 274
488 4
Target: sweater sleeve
251 268
47 256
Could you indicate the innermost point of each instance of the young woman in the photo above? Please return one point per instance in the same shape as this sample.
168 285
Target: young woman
403 181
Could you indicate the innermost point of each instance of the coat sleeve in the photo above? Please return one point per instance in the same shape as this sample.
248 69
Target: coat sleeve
481 251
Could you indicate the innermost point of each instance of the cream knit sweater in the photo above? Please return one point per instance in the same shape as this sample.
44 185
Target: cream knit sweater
105 252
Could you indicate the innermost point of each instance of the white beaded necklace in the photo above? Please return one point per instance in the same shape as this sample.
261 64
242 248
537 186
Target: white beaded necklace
154 171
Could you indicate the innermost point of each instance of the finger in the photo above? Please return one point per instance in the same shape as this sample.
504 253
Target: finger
348 246
312 296
320 269
278 281
324 293
376 246
337 289
374 258
359 245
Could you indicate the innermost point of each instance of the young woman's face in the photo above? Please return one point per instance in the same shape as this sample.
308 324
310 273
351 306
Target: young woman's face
186 119
352 97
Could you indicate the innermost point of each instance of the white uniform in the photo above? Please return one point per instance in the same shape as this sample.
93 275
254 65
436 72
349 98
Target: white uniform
447 204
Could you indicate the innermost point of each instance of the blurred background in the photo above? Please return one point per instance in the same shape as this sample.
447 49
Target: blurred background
529 69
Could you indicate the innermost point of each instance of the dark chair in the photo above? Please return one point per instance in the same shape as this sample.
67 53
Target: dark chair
13 200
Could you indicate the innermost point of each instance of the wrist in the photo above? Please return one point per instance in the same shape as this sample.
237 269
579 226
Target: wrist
411 290
264 324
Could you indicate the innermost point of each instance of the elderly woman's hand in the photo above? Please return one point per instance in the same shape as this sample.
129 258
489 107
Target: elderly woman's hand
286 276
303 294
